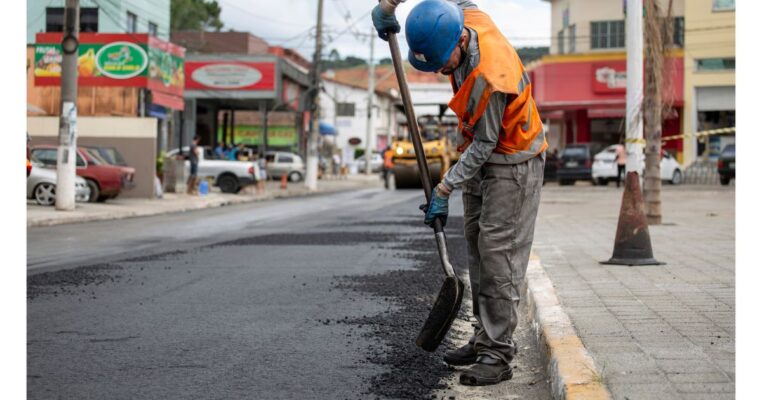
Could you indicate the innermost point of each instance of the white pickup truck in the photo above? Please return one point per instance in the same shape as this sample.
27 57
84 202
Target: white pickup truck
230 176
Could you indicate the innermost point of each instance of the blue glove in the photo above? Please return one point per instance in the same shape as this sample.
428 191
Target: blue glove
437 208
384 23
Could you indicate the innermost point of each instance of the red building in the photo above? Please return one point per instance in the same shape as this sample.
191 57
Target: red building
581 97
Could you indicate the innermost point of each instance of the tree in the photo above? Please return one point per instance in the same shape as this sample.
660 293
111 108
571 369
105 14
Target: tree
658 39
195 15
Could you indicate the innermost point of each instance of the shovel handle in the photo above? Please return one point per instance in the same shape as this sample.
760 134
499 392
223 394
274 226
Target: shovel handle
415 135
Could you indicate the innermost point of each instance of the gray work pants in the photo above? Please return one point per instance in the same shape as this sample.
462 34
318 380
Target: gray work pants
500 206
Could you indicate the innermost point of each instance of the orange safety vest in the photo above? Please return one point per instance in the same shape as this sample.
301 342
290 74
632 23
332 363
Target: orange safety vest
499 70
388 163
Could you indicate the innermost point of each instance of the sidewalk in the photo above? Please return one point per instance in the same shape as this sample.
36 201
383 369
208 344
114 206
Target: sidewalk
175 202
663 332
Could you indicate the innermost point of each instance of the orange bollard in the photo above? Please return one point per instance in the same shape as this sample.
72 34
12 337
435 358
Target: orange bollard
284 182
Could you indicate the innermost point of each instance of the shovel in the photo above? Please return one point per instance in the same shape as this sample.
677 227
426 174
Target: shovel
450 296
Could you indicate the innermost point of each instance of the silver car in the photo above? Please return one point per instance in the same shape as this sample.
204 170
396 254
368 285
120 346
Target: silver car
41 186
280 163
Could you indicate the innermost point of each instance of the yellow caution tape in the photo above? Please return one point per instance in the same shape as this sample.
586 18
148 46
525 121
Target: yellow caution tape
700 134
635 140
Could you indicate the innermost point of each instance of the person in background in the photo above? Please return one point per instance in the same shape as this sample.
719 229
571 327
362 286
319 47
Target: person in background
242 154
336 164
388 165
219 151
262 163
193 156
621 161
232 153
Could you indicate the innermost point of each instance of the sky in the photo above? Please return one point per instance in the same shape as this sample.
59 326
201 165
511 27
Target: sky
290 23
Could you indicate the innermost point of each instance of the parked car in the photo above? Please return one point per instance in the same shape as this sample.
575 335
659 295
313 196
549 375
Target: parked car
550 172
605 167
105 181
726 164
576 163
110 156
376 163
281 163
229 175
41 186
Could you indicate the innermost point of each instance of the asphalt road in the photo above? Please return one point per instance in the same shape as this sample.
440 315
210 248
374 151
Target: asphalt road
317 297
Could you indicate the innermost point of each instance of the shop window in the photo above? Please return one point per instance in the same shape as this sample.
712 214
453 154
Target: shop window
716 64
607 34
88 19
132 22
723 5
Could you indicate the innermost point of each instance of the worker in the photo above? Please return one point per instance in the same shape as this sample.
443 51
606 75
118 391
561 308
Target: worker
388 165
500 169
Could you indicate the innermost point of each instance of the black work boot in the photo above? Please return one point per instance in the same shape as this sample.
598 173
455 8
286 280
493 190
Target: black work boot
486 371
465 355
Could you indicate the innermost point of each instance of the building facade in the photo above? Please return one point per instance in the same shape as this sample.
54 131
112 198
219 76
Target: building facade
580 86
710 77
112 16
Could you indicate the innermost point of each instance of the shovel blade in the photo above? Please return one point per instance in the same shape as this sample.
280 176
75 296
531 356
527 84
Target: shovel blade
442 314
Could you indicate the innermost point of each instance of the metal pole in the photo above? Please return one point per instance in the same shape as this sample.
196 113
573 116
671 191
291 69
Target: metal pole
634 38
371 90
310 181
67 126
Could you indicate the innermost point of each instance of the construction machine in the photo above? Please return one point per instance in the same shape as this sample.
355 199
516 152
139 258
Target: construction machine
438 134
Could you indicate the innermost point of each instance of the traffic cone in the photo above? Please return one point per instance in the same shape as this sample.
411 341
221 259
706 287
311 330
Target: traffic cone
632 245
284 182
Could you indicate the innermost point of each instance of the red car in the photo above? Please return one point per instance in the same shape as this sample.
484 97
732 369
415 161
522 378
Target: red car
105 181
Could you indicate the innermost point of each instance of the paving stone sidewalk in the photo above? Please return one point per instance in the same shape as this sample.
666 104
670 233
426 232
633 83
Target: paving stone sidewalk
655 332
178 202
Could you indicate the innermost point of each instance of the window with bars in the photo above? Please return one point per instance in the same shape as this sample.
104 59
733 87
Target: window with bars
345 109
607 34
132 22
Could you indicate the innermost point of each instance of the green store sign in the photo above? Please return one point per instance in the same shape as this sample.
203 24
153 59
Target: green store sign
121 60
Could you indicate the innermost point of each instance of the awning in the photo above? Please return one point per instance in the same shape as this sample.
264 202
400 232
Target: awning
167 100
327 129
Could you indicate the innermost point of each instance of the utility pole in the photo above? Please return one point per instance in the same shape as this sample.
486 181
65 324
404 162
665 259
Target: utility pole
66 163
634 121
371 92
310 180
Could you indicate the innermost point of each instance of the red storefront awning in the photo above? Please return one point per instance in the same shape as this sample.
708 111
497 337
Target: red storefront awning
593 82
168 100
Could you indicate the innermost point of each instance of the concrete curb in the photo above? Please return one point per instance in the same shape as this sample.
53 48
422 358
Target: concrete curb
572 372
170 209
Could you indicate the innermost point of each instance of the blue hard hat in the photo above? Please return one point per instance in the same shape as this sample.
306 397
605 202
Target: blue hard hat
432 31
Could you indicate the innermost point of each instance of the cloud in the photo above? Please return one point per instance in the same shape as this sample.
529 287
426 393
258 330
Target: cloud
288 22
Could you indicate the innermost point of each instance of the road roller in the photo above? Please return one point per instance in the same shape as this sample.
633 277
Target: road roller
438 144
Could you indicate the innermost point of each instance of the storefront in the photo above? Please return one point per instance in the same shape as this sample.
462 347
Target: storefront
124 82
254 100
128 74
581 98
